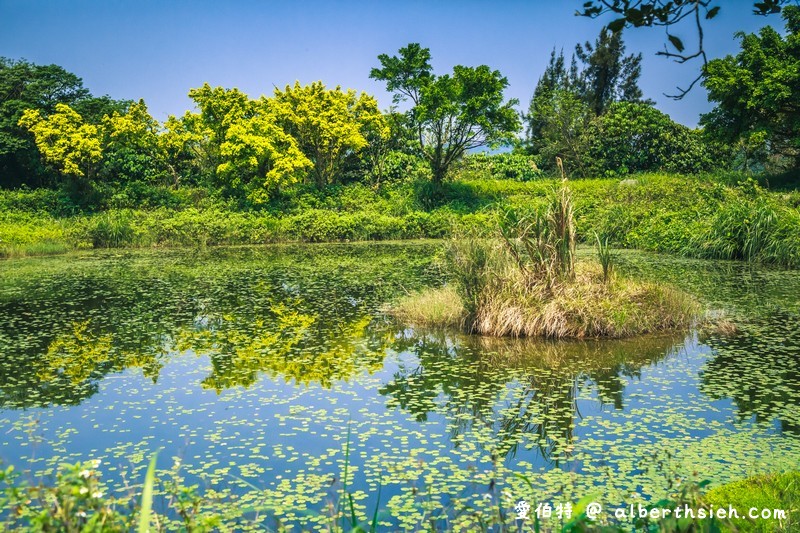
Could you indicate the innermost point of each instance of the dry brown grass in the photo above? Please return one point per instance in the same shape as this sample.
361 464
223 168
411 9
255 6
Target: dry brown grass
527 284
585 307
441 307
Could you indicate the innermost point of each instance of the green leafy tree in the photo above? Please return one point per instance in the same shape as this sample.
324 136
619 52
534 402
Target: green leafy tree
65 140
758 92
566 100
219 108
555 78
564 119
450 114
608 74
184 142
236 142
331 126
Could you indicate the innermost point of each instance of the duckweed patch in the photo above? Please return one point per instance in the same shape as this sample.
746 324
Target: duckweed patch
247 366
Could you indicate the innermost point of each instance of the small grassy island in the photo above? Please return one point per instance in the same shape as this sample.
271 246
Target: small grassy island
528 283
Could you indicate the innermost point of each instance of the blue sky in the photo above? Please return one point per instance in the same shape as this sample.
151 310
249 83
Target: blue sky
159 50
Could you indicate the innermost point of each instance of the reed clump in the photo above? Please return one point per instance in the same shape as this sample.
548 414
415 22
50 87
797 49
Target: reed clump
527 283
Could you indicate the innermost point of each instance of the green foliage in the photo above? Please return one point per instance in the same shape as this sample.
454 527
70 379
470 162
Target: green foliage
667 13
259 157
468 263
400 166
64 140
605 256
777 491
112 229
608 75
145 518
77 501
566 100
542 243
450 114
529 286
511 166
242 143
131 150
757 92
691 216
752 227
634 137
24 86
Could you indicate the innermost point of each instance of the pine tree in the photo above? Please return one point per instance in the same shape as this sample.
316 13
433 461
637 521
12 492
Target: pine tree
608 74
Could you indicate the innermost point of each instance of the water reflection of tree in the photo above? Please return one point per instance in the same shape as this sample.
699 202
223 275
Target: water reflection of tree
521 390
291 345
134 312
759 369
60 342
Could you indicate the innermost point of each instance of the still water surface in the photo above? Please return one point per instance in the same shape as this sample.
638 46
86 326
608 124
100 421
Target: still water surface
260 369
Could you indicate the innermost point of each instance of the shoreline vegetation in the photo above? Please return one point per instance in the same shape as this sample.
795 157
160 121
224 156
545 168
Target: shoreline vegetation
584 308
714 216
527 283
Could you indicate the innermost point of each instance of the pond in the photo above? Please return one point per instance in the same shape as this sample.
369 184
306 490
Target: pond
273 379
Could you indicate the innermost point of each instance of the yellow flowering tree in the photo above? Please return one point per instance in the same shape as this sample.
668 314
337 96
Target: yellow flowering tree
131 150
187 152
248 149
330 126
259 156
65 141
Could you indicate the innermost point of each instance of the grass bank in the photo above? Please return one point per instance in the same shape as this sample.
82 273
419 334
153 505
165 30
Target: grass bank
770 492
707 217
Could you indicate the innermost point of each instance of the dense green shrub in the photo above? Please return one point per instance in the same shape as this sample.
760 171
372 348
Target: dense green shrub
53 202
399 166
510 166
112 229
777 491
633 137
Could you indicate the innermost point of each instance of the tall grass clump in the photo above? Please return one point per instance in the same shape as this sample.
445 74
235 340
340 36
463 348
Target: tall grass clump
467 261
752 227
605 257
112 229
528 283
542 243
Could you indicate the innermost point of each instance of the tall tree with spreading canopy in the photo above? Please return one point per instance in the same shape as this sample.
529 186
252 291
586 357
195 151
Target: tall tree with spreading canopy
131 150
219 108
450 114
566 100
758 91
249 152
258 155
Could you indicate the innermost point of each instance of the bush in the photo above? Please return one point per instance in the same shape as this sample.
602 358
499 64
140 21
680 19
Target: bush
506 166
400 166
633 137
112 229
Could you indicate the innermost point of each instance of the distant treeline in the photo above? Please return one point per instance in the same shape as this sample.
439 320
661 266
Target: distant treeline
590 114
